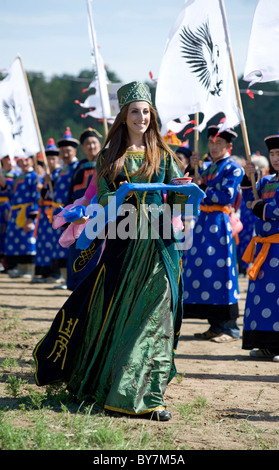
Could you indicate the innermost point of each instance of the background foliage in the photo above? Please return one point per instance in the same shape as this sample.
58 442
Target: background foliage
56 109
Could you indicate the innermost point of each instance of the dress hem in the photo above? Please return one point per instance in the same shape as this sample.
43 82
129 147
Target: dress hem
120 410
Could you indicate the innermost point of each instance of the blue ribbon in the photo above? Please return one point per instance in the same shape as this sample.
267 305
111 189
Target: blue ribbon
100 218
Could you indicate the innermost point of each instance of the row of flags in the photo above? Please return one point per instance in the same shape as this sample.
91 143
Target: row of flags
196 76
197 69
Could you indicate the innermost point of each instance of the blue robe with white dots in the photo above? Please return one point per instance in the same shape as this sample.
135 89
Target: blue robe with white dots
24 197
5 207
261 315
210 277
45 231
61 196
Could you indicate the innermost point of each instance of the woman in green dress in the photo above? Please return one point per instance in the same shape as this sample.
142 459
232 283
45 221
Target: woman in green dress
113 341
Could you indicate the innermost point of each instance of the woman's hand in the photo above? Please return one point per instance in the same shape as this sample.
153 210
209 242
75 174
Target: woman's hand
81 220
131 192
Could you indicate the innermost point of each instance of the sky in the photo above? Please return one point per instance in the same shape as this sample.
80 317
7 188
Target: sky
52 36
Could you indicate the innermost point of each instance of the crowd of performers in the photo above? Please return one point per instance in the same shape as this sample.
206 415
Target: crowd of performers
122 321
30 198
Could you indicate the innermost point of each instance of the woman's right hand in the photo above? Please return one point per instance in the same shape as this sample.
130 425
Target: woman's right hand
131 192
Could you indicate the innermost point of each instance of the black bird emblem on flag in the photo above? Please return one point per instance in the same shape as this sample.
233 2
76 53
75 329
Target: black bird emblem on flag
203 56
12 112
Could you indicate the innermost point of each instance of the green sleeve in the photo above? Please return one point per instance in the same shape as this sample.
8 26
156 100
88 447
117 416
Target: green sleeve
104 191
173 171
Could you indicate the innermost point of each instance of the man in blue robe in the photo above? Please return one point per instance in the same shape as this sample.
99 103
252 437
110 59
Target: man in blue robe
210 274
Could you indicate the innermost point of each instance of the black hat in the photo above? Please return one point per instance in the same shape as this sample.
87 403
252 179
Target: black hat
272 141
51 148
89 133
68 140
185 150
229 135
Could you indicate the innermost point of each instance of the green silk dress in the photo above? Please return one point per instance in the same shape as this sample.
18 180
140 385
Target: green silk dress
123 321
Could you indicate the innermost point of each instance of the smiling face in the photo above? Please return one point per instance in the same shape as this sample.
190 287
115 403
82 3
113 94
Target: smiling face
138 118
25 163
91 147
218 147
67 154
53 162
6 163
274 159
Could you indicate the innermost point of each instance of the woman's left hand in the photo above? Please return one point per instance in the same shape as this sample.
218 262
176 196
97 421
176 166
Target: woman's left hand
81 220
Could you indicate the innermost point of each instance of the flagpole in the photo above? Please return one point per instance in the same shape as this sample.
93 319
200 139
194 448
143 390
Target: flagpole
36 124
95 51
238 97
196 140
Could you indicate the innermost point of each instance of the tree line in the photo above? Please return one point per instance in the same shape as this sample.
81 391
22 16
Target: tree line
54 101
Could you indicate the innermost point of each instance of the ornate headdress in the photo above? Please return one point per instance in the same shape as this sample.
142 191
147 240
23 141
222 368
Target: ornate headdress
134 91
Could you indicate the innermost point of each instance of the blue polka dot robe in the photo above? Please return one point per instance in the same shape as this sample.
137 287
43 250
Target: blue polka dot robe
24 195
45 232
261 315
210 275
61 196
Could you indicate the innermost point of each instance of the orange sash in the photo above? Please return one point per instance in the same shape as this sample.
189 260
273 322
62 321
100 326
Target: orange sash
21 217
48 211
249 253
215 207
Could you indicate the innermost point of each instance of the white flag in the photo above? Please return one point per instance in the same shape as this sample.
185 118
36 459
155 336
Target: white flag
195 74
99 65
94 101
262 63
18 130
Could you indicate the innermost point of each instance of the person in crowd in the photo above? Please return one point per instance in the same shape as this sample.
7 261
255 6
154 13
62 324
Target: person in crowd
20 243
7 176
86 171
210 277
122 321
43 229
261 164
68 146
261 318
184 154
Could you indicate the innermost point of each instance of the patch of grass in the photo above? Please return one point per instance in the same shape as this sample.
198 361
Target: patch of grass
13 385
191 412
78 431
9 362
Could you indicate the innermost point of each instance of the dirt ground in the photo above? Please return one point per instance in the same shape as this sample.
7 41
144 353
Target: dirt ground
241 393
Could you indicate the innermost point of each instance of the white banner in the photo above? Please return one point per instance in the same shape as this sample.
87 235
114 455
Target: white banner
262 63
94 101
195 74
18 130
99 66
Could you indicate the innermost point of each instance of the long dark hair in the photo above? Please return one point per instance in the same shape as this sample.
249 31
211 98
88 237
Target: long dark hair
111 160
